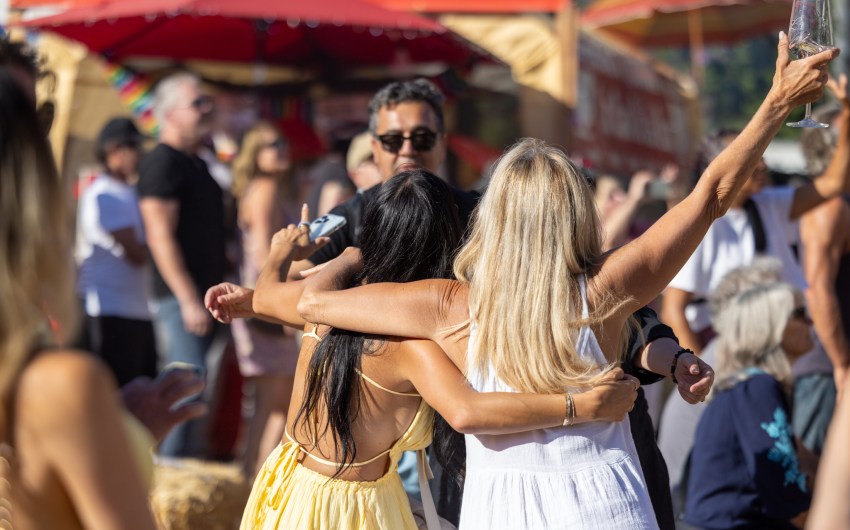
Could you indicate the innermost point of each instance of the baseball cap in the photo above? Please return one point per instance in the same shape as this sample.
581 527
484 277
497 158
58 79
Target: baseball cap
118 131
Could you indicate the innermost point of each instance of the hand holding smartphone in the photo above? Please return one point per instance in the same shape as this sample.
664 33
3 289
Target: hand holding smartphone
326 225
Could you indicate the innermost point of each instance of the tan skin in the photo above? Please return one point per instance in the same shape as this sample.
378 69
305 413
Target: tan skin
405 118
260 214
825 232
405 365
834 181
69 449
636 272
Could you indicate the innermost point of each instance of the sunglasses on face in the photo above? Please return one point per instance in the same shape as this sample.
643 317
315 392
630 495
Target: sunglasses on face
422 141
800 313
277 144
202 103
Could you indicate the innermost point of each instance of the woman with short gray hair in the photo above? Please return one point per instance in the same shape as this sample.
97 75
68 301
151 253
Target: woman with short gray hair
744 469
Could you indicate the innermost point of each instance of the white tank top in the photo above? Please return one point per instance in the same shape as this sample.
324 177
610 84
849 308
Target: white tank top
583 476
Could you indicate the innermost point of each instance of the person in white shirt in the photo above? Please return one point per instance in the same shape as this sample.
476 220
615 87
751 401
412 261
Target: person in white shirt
113 279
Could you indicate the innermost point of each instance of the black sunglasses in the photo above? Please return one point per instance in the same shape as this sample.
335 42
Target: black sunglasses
422 141
280 143
202 103
801 313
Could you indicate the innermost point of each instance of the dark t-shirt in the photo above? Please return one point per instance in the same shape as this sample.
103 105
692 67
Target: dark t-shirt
744 471
167 173
352 210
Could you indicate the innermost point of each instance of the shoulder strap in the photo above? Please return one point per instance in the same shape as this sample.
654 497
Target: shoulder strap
758 226
582 285
432 520
378 385
312 334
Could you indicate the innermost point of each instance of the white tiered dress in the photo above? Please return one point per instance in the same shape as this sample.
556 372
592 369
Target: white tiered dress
581 477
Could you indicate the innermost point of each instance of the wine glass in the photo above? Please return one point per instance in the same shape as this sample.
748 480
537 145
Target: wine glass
810 33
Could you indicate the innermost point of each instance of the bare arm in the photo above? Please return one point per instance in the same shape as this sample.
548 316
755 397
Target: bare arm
694 377
824 230
136 253
618 222
78 426
160 217
836 178
275 297
637 272
472 412
830 509
417 309
673 313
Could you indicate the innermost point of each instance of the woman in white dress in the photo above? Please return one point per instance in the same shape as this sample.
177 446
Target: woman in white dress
536 306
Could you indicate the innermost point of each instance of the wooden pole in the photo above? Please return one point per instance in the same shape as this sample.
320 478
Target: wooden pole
697 46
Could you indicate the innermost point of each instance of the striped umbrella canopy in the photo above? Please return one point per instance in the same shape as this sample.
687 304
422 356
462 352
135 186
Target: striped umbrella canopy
655 23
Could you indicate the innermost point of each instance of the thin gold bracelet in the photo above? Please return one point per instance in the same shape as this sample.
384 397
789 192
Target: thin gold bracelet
570 413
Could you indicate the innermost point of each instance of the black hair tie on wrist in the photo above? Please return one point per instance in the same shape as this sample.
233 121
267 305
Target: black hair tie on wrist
676 361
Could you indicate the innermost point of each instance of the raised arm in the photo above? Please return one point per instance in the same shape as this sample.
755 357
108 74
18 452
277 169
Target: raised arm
275 297
836 177
440 383
640 270
417 309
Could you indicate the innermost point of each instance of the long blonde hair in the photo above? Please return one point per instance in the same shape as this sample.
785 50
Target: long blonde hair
245 164
535 232
36 271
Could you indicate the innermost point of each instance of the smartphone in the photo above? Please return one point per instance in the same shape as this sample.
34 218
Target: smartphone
177 365
326 225
658 190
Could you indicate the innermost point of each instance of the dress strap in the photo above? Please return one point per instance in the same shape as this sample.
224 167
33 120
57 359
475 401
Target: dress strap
312 334
320 460
385 389
582 285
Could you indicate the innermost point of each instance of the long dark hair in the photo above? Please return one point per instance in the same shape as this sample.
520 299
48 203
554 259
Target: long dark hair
411 232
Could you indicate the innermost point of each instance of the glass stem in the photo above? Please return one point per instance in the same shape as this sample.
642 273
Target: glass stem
808 111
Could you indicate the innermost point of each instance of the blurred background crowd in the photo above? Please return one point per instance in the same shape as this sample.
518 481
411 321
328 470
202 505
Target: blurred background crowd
188 133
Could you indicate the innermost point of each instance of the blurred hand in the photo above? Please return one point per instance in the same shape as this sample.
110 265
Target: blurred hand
670 174
196 319
151 401
639 184
615 395
297 237
839 90
694 377
227 301
800 82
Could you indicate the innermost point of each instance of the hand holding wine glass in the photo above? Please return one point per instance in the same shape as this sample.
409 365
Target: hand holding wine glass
810 33
799 82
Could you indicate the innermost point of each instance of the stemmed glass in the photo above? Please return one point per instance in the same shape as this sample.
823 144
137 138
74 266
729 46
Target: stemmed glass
810 33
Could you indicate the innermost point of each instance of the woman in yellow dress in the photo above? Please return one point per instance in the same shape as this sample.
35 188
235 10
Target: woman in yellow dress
360 401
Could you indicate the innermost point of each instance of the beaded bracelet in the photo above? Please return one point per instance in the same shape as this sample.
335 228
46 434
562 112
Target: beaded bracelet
676 361
570 413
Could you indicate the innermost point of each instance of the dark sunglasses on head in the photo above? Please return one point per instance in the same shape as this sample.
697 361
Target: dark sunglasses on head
800 313
422 141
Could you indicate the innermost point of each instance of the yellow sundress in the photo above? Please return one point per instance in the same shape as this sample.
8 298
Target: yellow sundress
287 495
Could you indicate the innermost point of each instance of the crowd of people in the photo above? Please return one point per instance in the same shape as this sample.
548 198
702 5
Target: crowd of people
497 341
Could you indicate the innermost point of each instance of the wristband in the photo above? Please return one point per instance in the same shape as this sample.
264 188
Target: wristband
676 361
570 412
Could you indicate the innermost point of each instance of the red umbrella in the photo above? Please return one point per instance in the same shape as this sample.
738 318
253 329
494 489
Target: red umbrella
674 22
334 33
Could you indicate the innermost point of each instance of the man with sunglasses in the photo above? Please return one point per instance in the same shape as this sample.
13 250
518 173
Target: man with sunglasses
407 128
183 212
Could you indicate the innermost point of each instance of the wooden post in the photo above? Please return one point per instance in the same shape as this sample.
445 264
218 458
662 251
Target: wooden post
697 46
